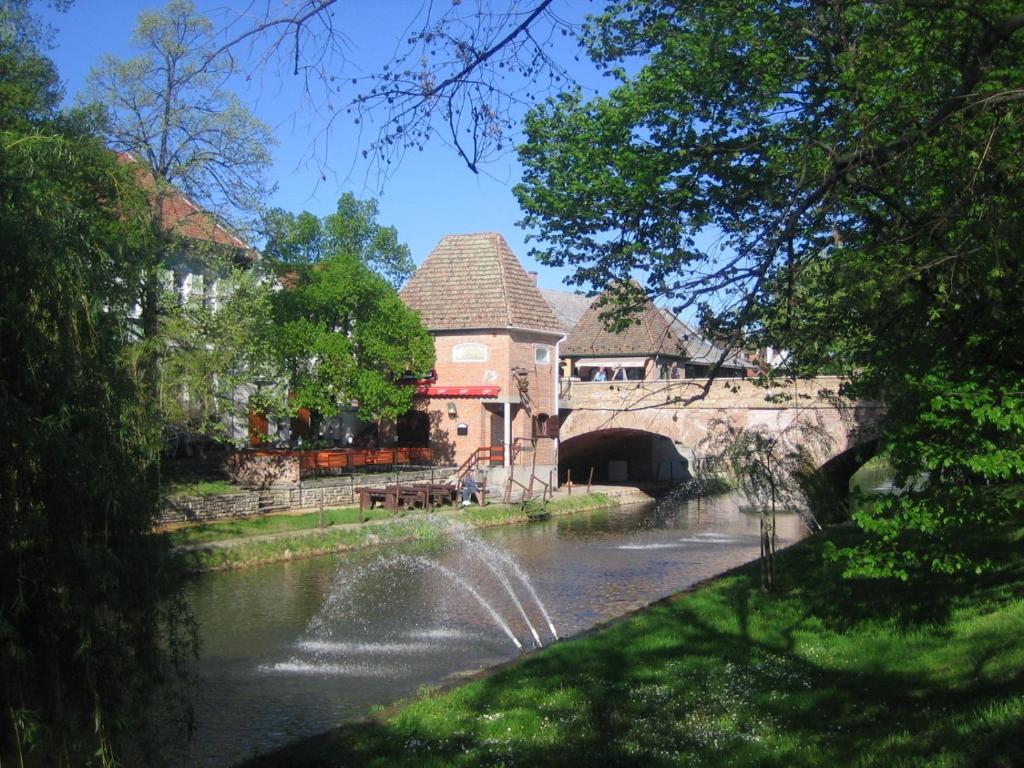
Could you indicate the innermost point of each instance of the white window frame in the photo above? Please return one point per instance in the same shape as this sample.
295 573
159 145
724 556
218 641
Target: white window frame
537 355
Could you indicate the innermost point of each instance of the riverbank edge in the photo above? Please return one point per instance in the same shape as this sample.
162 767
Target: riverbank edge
286 546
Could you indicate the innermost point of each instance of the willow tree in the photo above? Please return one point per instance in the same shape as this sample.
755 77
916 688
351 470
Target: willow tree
839 179
93 625
770 467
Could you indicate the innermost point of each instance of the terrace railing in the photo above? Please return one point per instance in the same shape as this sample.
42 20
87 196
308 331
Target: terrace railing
336 461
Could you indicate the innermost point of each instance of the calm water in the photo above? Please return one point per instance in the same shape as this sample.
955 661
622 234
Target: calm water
293 649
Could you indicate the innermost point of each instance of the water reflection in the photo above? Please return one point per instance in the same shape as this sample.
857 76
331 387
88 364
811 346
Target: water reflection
293 649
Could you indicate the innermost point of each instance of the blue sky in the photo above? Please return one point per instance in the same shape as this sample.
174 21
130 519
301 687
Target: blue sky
431 193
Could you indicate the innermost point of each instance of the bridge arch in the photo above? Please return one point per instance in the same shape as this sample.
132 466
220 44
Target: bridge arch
622 455
656 425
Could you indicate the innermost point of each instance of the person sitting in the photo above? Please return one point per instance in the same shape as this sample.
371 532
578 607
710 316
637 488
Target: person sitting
599 375
469 490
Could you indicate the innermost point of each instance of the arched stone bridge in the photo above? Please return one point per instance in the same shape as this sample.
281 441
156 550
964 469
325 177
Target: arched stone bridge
651 430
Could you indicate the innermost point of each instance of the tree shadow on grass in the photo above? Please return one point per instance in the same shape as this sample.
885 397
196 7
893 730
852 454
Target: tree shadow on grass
845 603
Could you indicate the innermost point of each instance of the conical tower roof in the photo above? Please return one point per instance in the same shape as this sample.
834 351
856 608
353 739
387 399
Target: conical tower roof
475 281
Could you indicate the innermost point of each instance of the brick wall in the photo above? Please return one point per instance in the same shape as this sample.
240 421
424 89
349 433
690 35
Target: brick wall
652 406
542 392
505 350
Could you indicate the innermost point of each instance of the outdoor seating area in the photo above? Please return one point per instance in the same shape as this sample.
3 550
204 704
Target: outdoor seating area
391 497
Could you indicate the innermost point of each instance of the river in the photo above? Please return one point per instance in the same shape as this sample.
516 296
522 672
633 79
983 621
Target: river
293 649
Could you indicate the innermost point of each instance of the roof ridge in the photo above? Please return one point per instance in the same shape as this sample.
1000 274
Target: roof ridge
500 241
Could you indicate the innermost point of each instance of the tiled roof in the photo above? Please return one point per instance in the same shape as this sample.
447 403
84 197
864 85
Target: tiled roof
650 334
656 332
182 217
568 307
475 281
696 348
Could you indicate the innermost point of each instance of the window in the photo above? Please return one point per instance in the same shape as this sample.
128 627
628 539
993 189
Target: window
469 353
542 355
545 425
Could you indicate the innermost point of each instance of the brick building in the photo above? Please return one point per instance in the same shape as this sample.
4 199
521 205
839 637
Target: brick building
497 343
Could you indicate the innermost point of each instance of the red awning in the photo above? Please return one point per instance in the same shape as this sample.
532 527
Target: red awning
432 391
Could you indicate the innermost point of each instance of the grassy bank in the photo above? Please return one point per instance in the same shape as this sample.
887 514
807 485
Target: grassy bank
824 672
242 543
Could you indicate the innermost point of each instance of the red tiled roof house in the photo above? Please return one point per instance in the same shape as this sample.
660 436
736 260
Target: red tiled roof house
645 348
497 354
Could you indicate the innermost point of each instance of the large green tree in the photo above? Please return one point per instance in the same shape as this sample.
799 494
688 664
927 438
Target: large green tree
339 328
840 179
172 106
92 619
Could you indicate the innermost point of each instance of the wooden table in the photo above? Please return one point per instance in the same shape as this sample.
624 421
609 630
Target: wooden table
391 496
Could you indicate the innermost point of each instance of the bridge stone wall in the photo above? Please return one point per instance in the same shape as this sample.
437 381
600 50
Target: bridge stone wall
672 409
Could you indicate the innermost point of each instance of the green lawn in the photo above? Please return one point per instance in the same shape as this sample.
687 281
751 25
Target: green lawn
186 487
825 672
254 526
307 540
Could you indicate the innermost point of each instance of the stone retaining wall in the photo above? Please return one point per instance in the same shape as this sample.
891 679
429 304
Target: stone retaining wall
255 469
336 492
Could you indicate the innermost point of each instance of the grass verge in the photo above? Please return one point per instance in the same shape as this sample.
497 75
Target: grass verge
239 543
824 671
204 533
175 488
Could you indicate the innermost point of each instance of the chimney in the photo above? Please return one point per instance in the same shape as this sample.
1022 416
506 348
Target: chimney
533 276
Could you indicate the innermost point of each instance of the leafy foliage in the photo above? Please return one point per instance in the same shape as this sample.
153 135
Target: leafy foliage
352 228
29 88
339 329
839 180
215 344
93 625
169 105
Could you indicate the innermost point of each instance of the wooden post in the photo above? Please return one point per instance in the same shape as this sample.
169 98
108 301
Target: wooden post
590 479
533 469
323 521
568 480
511 478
